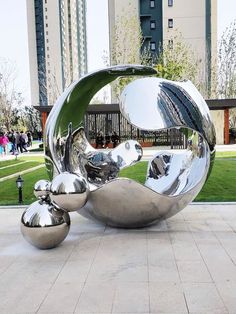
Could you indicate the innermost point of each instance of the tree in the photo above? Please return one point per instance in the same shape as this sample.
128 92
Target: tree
10 98
227 63
227 67
177 62
30 119
126 44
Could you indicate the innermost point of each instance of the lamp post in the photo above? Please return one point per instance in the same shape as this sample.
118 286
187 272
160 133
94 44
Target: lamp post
19 184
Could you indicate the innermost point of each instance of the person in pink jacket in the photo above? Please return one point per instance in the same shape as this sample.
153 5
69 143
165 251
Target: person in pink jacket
3 143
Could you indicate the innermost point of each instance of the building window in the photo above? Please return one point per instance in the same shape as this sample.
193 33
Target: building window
152 3
153 24
152 45
170 23
170 3
170 43
46 25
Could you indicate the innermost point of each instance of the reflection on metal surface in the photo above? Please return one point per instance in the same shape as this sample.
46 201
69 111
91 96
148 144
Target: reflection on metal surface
69 191
65 121
177 173
162 104
102 167
44 226
173 178
42 189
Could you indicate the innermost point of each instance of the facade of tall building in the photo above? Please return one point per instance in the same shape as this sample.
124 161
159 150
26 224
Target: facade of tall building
163 20
57 46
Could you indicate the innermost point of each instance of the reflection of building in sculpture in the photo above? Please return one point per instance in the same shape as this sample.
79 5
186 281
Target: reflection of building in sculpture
161 20
57 46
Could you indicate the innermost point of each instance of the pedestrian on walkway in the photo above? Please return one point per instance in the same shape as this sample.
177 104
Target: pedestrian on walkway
18 145
3 143
23 142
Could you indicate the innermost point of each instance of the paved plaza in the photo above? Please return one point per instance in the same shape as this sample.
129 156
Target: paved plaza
186 264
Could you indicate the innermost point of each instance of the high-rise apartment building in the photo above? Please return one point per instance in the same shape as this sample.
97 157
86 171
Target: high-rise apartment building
162 20
57 46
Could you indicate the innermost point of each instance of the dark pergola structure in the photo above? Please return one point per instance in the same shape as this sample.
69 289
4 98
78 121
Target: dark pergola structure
110 113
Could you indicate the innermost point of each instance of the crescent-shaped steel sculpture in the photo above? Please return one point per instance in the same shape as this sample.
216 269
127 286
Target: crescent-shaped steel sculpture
86 180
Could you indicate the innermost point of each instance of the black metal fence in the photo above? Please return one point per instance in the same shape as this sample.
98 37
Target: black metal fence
108 122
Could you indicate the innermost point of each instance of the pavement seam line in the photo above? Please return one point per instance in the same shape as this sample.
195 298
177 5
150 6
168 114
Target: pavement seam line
205 262
181 283
90 267
53 283
148 272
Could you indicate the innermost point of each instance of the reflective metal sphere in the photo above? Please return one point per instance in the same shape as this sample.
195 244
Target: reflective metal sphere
69 191
42 189
43 226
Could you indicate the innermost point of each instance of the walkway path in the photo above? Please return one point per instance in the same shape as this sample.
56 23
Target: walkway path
147 151
186 264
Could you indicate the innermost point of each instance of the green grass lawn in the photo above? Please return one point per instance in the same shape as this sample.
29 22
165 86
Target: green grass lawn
221 186
10 162
20 159
226 154
9 191
18 168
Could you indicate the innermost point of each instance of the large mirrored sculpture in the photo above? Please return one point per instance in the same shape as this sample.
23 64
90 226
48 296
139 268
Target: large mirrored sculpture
87 180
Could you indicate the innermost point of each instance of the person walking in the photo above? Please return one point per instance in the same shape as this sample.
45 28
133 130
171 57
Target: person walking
3 143
23 142
12 140
18 144
29 136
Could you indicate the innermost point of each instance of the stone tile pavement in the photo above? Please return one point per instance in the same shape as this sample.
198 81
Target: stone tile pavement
186 264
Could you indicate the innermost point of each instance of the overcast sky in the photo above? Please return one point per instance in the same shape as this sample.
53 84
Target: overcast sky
13 34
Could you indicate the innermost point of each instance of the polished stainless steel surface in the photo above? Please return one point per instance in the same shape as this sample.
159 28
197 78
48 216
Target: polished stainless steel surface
173 179
126 154
177 173
64 135
154 104
44 226
42 189
69 191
